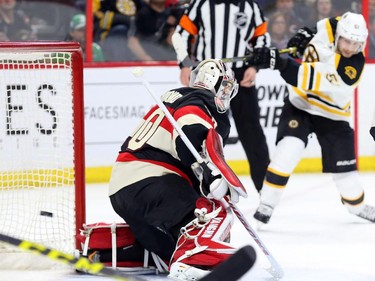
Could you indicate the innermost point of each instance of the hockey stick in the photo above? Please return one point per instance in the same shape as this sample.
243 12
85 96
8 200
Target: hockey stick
275 269
82 264
234 267
290 50
221 273
183 56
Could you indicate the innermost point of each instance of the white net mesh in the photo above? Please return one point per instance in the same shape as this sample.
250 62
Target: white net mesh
37 193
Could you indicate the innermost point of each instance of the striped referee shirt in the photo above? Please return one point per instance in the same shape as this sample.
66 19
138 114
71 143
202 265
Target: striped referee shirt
223 28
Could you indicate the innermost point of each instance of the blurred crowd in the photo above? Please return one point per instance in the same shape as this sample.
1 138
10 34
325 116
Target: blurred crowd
140 30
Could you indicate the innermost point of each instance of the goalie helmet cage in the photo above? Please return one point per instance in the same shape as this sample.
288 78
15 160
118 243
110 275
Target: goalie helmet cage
42 168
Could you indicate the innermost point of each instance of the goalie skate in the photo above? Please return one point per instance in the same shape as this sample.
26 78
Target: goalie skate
185 272
367 213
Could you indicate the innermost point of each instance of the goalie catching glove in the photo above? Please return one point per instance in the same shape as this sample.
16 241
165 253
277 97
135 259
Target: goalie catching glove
216 177
267 58
300 41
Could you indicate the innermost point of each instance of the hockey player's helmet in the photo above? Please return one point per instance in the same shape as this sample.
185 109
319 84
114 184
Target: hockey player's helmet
216 76
352 26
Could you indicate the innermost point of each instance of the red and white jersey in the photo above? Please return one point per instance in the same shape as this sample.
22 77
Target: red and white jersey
155 148
326 80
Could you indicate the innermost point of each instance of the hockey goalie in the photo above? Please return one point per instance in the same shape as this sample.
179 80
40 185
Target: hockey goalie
174 205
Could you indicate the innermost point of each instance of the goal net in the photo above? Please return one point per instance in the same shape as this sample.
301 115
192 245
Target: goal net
41 143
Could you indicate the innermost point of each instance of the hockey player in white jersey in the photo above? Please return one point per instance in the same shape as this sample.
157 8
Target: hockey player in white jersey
173 210
320 92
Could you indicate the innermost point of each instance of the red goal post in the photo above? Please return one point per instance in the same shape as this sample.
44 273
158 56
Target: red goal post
42 159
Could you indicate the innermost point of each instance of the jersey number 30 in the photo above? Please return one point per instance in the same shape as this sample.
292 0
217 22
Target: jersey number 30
146 129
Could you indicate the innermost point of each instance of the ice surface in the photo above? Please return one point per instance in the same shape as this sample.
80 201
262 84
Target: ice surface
311 235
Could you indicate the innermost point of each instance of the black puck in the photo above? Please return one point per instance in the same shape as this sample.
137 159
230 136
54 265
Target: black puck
46 214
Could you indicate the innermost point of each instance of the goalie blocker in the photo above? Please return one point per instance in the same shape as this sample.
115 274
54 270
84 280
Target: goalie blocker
217 178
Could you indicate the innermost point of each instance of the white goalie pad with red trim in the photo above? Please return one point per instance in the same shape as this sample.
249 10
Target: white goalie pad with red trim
203 240
214 151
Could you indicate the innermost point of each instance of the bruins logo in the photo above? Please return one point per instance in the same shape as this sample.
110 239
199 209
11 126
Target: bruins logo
126 7
293 124
351 72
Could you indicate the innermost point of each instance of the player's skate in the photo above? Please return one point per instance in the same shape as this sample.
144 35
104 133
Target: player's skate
263 213
201 245
363 211
367 212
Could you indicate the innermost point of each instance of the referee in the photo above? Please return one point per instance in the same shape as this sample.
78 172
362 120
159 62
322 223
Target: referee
225 29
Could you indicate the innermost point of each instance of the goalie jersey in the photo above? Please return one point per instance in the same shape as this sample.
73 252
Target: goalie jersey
324 83
155 148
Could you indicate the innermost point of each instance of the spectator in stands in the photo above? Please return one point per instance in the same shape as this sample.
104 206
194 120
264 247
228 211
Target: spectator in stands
322 9
310 4
277 26
371 7
154 26
267 5
341 6
294 17
80 5
14 23
77 33
372 37
111 25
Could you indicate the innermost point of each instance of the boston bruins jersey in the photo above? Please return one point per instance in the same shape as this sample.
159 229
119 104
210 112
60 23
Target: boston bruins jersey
326 80
155 148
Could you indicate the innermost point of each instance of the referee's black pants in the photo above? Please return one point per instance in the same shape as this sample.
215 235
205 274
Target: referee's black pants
246 114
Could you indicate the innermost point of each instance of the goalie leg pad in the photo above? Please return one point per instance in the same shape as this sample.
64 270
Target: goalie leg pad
115 245
203 241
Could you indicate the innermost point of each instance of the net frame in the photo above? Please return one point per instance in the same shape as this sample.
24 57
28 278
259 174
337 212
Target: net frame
29 52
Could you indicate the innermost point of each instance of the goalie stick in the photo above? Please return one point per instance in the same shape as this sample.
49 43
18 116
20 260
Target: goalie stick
275 270
183 56
230 270
82 264
234 267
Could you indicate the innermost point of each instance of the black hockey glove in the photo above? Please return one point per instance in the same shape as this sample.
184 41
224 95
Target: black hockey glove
372 132
300 41
267 58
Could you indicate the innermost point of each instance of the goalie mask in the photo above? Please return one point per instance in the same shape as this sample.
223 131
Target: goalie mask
352 26
216 76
